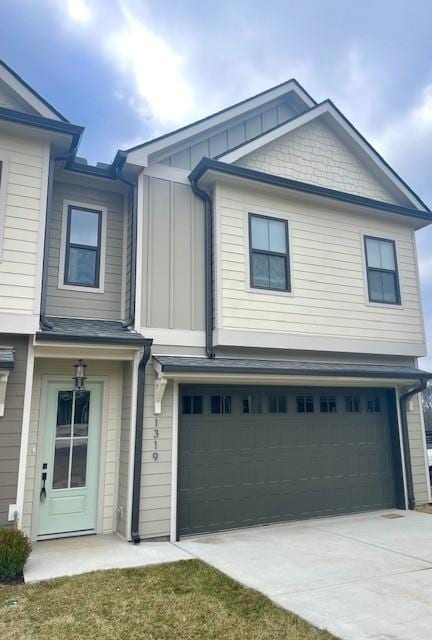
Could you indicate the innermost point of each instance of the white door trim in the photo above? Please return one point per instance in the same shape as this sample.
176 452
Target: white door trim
25 430
45 381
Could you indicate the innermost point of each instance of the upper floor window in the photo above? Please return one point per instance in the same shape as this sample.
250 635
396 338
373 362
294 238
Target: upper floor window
382 273
269 253
83 247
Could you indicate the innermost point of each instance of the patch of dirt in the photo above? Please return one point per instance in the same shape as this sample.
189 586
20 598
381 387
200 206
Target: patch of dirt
424 508
18 579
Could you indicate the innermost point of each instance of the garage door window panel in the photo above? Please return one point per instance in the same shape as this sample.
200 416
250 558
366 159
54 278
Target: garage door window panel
220 404
192 405
327 404
252 403
277 404
305 404
352 404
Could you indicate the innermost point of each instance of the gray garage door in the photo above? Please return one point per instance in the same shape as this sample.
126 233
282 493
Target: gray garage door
250 456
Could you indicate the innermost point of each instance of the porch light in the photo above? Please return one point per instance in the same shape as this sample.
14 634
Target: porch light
79 377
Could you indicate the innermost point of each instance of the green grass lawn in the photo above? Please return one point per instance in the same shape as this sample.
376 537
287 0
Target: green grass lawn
185 600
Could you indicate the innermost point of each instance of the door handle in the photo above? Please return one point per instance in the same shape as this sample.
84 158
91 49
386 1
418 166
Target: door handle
43 493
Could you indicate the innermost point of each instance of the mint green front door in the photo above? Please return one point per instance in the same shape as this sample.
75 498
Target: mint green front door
68 497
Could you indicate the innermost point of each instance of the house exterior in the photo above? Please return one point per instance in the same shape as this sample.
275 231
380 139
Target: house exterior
241 297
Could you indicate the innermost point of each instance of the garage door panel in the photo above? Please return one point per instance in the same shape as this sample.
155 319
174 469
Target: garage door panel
239 469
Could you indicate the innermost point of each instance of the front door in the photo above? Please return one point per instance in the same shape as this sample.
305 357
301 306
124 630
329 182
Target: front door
68 494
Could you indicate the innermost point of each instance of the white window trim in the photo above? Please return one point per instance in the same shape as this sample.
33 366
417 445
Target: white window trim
62 262
386 236
4 181
268 213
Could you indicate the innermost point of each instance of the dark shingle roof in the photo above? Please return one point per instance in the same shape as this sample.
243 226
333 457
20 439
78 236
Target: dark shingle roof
179 364
7 358
91 331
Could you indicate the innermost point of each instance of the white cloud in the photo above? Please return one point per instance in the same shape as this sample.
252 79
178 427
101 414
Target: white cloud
158 71
79 11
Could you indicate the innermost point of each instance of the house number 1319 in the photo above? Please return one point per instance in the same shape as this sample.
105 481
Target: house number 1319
155 440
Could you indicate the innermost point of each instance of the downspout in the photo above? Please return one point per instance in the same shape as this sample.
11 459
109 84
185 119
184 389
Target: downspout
48 219
134 214
139 427
208 264
405 439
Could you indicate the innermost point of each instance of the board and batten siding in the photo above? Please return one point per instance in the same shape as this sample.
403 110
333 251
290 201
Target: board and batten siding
329 295
87 304
225 138
172 279
313 153
55 370
11 424
23 191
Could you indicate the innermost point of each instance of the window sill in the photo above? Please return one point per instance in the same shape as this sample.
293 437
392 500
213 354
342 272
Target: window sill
270 292
76 287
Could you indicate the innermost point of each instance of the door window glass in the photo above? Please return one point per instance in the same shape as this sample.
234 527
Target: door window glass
70 449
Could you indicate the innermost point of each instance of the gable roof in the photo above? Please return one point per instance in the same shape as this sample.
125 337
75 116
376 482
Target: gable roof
28 94
142 151
350 135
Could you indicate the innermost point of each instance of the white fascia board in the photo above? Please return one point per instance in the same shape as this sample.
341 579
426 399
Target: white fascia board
28 96
140 156
325 108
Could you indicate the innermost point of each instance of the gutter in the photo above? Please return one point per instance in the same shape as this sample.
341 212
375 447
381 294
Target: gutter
117 166
207 164
405 439
139 428
208 263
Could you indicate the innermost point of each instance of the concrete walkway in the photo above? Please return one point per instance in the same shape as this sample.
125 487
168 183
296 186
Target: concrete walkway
71 556
363 577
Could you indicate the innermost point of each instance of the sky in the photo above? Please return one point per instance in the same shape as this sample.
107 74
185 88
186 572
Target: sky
129 70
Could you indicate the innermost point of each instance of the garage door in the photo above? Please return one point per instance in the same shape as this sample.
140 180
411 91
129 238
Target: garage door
251 456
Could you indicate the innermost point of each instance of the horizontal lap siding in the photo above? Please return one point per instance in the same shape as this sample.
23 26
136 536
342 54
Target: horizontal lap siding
155 505
84 304
124 451
417 450
25 184
329 296
173 257
11 424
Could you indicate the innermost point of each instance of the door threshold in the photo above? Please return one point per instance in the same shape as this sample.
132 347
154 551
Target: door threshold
66 534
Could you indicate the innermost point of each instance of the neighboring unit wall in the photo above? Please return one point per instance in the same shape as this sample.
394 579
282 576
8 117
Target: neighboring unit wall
23 190
224 138
125 433
10 100
328 308
172 278
314 154
55 370
84 303
11 424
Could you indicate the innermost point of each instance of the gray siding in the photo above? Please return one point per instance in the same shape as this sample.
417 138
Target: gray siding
11 424
173 257
225 138
122 500
85 304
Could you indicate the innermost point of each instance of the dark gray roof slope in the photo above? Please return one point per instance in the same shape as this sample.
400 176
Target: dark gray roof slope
179 364
92 331
7 358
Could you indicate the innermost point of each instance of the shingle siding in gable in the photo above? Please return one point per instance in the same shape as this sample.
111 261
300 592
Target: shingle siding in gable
314 154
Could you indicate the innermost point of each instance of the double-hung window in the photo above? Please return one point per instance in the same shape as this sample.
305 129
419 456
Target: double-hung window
83 247
382 272
269 253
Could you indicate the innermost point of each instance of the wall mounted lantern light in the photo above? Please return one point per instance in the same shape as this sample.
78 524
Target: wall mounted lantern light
79 377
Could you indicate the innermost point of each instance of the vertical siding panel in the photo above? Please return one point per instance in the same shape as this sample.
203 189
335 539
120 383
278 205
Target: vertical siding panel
218 143
199 150
269 118
160 273
182 258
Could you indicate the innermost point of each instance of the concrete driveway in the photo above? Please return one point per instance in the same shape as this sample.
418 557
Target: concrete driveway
362 577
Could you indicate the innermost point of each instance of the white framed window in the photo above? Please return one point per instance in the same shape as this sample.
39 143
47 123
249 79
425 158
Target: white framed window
83 247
